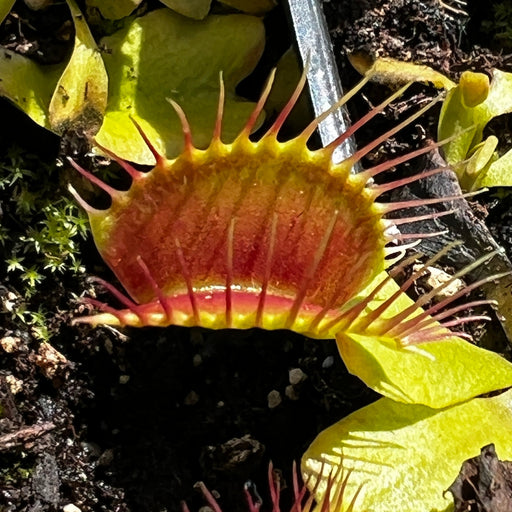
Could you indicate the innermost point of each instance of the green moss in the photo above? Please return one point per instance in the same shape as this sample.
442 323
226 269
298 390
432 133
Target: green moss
40 233
16 471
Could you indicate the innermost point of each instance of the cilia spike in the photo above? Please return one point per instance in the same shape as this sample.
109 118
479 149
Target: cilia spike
252 233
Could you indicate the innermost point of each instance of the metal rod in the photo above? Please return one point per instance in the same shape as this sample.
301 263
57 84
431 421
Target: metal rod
315 47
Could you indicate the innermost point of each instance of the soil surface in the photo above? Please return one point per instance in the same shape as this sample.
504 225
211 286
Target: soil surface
110 420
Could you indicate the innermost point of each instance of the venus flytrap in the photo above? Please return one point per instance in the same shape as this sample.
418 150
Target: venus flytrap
274 235
230 232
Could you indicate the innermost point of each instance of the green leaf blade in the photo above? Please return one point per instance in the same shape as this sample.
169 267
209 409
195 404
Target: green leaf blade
80 98
114 9
436 373
28 84
403 457
5 8
163 55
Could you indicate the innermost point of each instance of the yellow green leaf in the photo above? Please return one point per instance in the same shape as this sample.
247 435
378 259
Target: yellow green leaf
392 71
400 457
288 73
475 168
474 87
458 117
196 9
498 174
114 9
57 96
499 100
437 373
5 8
481 155
28 84
467 109
81 94
434 373
164 55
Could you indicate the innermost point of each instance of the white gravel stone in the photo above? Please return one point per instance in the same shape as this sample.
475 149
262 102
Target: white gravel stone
10 343
123 379
70 508
437 277
15 385
296 376
274 399
327 362
291 392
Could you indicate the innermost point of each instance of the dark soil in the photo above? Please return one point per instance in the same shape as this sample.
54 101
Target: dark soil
484 483
129 421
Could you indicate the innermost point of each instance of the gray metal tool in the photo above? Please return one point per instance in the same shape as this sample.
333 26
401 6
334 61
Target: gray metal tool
325 89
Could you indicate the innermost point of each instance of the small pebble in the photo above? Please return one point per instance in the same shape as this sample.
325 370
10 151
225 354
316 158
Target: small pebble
10 343
291 392
437 277
9 302
15 385
191 399
327 362
70 508
296 376
274 399
50 360
123 379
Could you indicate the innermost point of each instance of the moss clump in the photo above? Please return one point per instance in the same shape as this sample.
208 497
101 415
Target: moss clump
40 232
